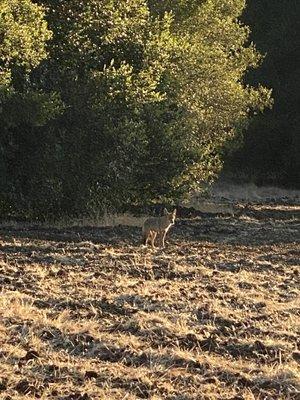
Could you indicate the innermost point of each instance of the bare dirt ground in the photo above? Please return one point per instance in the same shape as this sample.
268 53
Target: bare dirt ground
87 313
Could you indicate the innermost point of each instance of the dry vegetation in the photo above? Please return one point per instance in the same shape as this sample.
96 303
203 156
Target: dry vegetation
87 313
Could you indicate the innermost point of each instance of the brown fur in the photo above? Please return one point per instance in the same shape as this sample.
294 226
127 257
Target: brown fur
154 226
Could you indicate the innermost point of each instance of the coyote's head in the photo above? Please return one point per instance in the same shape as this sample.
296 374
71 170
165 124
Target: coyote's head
171 216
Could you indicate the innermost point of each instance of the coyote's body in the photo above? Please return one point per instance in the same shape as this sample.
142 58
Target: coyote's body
154 226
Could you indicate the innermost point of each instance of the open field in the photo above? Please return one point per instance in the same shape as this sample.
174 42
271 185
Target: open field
87 313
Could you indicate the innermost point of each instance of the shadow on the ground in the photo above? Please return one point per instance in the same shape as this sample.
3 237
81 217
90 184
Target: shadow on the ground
215 229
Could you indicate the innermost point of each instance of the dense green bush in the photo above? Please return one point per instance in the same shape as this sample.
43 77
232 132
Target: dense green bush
24 108
134 103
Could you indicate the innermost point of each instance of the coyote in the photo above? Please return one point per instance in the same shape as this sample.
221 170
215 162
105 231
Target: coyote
158 225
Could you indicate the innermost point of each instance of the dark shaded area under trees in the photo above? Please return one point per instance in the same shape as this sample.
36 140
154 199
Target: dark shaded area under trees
270 154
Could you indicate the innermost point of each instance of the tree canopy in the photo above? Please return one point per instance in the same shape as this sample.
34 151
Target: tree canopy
23 33
134 102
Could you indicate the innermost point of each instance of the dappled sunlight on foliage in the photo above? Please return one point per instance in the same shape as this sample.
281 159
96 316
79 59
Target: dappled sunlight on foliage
147 95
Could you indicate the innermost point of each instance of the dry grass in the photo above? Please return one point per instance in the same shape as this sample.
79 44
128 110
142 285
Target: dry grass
251 192
87 313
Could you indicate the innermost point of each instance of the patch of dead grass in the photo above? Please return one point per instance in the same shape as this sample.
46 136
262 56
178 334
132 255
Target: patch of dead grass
86 313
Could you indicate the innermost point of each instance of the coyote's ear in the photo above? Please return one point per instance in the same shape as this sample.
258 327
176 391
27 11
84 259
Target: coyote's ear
165 211
174 212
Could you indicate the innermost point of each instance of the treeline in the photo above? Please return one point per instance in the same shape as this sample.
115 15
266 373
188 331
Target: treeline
270 154
105 104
